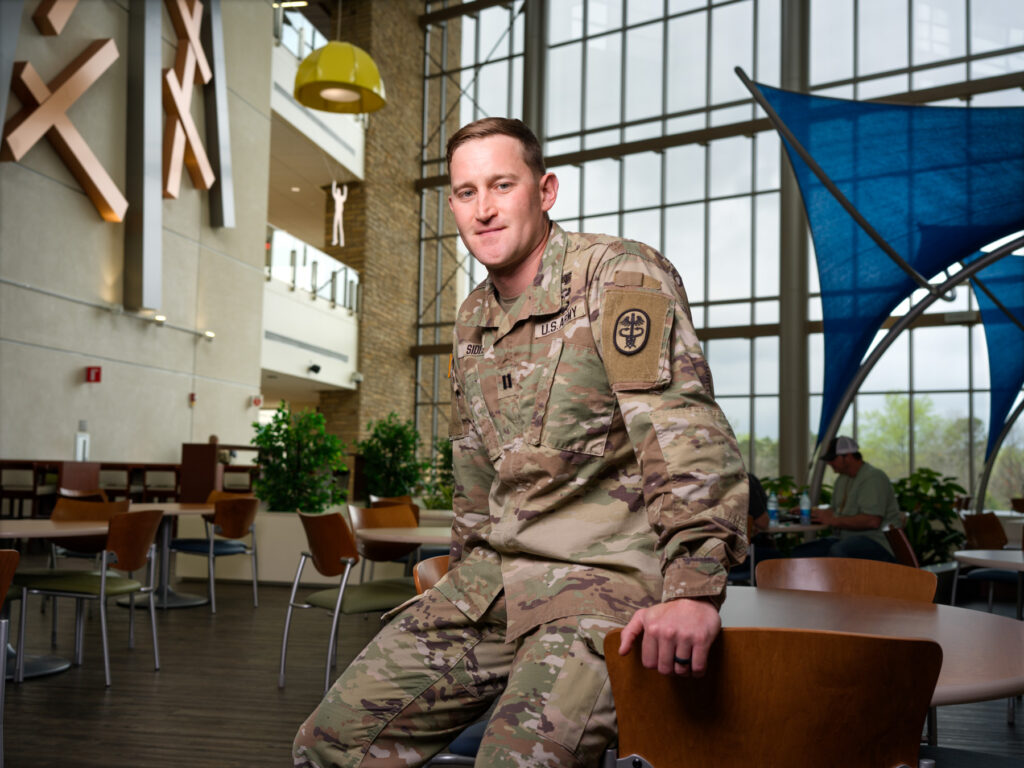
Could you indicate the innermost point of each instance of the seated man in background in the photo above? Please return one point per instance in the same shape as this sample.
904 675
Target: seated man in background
863 505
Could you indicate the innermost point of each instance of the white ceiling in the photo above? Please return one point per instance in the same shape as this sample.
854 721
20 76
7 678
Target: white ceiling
296 162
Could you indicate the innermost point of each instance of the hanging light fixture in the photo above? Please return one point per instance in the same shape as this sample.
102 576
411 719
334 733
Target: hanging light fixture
340 77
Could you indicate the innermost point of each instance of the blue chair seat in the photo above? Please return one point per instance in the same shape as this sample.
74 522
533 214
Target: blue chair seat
202 546
992 574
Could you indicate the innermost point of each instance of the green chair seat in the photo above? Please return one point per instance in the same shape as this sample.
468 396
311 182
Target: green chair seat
80 582
381 595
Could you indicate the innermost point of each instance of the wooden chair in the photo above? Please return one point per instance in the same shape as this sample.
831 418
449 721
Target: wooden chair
901 549
332 548
853 700
390 501
388 516
89 494
8 565
232 521
129 547
848 576
426 573
983 531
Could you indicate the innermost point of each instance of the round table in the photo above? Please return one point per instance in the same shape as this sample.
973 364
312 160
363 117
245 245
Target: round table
428 535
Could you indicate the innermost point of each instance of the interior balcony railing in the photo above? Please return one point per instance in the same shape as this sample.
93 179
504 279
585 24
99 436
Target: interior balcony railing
304 268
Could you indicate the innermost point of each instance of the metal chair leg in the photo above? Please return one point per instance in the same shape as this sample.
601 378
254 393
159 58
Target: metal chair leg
255 575
79 632
288 620
212 570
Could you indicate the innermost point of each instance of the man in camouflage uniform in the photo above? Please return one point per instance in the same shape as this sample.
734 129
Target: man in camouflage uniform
597 485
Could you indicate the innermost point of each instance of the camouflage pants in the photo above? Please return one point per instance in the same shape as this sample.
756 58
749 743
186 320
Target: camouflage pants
431 672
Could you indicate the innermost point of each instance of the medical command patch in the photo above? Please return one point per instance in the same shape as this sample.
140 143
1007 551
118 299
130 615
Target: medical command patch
632 329
635 325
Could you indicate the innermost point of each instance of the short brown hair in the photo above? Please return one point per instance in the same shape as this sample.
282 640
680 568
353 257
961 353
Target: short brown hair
533 155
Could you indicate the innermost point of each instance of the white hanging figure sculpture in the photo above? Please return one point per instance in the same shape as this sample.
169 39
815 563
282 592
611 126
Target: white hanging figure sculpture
340 196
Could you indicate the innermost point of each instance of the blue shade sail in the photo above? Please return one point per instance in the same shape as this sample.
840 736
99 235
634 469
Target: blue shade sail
937 183
1004 279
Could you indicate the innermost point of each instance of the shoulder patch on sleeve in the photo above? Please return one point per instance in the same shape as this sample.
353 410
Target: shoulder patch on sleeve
634 334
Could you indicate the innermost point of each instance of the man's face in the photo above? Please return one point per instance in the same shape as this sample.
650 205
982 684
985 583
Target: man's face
499 204
840 464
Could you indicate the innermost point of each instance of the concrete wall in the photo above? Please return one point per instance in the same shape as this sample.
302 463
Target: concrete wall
60 264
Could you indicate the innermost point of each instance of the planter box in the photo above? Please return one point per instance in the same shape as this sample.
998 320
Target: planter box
280 540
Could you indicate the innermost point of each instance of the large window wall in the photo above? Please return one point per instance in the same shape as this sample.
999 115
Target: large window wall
653 137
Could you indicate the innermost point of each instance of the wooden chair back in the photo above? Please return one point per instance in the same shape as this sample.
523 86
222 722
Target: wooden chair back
390 501
67 510
901 549
847 576
854 700
390 516
984 531
71 510
330 542
214 496
1017 505
130 536
234 517
8 565
93 494
426 573
385 500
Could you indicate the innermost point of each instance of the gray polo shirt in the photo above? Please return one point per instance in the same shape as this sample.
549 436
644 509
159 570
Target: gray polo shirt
869 492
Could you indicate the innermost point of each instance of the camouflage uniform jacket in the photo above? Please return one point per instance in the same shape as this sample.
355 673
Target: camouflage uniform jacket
594 472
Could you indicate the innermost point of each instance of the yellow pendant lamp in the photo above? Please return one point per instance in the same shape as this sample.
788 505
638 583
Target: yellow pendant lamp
340 77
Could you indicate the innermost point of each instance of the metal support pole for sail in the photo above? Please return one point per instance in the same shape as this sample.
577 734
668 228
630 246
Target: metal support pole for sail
818 467
979 504
823 177
1002 307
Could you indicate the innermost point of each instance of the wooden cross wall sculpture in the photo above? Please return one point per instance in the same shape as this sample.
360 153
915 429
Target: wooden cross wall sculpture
181 137
45 107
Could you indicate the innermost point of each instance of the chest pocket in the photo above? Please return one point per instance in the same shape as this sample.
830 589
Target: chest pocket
478 413
575 405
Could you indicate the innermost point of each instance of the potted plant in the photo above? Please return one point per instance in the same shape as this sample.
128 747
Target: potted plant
389 457
299 460
932 525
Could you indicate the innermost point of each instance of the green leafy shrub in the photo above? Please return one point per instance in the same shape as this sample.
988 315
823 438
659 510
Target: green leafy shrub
389 457
298 461
927 498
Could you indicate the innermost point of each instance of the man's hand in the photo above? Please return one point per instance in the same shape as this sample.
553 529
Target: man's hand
678 629
823 515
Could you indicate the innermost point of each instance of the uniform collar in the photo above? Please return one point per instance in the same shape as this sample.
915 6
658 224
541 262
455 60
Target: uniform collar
542 297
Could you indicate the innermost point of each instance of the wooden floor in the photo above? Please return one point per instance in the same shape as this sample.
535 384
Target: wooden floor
215 700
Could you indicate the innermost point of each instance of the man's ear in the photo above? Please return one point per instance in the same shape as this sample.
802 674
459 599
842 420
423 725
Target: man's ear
548 185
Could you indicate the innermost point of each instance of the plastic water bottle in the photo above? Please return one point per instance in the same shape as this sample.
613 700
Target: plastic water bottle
773 507
805 509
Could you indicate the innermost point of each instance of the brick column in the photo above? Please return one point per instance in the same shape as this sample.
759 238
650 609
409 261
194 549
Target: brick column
382 219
